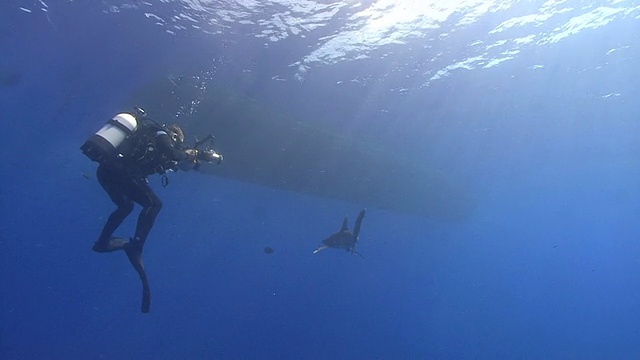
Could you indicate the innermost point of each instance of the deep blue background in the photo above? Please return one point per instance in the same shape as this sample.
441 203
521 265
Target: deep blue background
547 268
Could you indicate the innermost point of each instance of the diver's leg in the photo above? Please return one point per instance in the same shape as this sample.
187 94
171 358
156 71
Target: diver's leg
151 206
110 182
140 192
356 227
115 219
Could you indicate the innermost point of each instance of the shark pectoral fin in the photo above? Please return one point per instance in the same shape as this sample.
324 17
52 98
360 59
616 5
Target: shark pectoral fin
320 249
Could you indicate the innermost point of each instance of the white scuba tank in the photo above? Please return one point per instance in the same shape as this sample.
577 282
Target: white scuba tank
103 145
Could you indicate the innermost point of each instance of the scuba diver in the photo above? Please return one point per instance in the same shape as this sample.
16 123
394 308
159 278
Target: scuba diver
129 148
344 239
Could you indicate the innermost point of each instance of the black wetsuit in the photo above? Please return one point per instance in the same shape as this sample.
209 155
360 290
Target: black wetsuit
125 181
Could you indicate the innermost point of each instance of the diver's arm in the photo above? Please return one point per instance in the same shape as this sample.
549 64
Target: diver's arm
166 147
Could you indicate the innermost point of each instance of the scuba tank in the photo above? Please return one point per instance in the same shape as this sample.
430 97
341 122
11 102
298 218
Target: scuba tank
103 145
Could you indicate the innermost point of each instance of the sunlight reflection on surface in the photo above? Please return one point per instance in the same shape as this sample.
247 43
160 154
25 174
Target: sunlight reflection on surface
350 30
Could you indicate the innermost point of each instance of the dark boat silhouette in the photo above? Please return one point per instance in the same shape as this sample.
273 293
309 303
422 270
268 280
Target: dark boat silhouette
276 151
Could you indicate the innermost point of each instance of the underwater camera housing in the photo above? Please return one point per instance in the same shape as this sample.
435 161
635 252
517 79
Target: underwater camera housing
208 155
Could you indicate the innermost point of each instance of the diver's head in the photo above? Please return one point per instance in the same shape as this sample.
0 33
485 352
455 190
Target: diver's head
176 134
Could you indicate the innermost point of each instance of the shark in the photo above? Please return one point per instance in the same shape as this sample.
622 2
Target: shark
344 239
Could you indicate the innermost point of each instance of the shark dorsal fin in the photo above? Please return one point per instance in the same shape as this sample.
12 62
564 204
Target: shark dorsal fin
345 227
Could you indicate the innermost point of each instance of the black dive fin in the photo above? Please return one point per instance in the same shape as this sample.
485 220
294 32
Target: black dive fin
135 257
114 244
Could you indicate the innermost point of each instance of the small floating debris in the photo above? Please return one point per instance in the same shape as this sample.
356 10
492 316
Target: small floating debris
268 250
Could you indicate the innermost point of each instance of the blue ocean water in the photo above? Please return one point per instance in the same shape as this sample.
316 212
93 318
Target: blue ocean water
531 105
